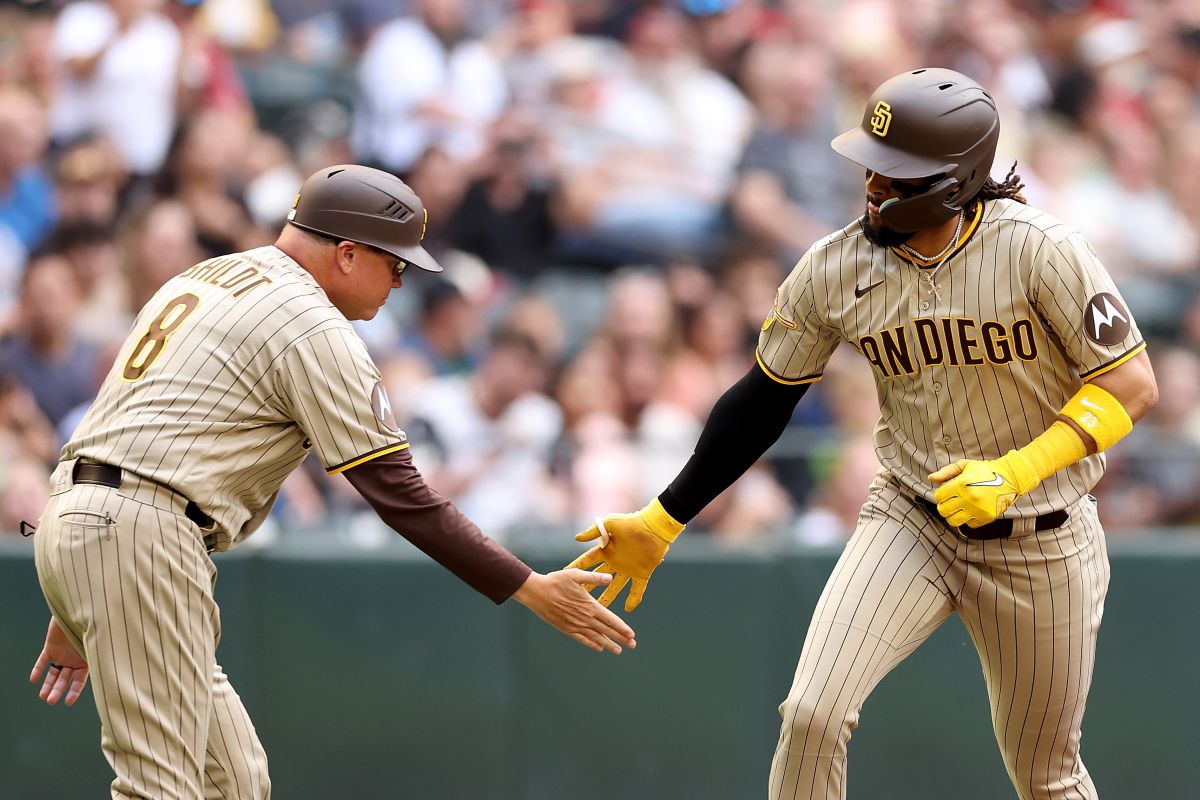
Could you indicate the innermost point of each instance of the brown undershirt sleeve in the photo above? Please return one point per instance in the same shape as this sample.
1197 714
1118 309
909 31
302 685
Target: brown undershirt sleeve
398 493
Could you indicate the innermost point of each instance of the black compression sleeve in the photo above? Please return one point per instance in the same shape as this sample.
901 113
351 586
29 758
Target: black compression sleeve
747 420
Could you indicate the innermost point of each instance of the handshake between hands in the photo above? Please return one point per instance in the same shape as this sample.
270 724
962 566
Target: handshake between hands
631 547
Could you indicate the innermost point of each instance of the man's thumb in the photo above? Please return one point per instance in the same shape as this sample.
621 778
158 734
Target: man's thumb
948 472
588 535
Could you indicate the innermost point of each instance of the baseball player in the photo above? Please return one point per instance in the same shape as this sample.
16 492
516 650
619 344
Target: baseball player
234 371
1005 362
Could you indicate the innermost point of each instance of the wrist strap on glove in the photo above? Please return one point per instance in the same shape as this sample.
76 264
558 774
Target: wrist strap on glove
659 522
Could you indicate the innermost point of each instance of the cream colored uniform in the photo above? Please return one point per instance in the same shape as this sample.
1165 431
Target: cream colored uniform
972 357
233 372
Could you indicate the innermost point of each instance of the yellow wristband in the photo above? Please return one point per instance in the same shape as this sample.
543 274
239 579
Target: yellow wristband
660 523
1098 414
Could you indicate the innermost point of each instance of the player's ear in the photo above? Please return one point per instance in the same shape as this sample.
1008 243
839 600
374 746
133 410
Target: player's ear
343 256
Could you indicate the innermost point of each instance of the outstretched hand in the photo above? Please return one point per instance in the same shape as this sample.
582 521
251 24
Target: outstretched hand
66 671
561 599
631 548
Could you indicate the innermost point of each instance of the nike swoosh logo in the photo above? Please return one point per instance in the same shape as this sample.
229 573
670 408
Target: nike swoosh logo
1090 404
860 292
995 481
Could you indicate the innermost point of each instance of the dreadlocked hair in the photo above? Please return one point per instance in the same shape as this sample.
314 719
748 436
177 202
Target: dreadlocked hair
1010 188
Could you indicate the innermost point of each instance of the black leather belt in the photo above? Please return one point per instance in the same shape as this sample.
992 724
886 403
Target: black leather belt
999 529
107 475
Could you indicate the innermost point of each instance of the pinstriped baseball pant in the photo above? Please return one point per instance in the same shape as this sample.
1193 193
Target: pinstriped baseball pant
127 577
1032 605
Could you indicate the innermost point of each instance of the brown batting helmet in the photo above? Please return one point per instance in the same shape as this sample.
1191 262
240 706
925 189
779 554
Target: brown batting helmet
929 123
365 205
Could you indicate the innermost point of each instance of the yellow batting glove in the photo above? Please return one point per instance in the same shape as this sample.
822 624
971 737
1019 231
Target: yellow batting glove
631 547
974 493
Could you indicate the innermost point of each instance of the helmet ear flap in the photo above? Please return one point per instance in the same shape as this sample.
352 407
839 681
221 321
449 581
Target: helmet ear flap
914 213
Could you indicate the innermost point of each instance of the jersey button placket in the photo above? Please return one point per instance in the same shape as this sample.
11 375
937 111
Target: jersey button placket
933 381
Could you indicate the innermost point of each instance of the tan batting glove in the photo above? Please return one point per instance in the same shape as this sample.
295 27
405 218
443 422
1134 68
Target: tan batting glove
974 493
631 547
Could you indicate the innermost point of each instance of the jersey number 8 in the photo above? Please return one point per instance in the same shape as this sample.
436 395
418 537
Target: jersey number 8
152 343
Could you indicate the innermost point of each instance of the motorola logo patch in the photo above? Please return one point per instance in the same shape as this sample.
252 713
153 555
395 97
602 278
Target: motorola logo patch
382 406
1106 321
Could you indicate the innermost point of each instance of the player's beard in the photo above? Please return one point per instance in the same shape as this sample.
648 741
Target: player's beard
881 235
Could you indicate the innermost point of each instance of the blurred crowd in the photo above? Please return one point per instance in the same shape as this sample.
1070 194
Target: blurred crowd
616 190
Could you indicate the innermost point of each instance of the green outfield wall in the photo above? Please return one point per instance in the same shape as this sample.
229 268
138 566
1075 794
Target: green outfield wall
379 675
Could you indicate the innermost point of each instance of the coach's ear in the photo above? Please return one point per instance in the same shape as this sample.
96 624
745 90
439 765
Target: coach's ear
343 256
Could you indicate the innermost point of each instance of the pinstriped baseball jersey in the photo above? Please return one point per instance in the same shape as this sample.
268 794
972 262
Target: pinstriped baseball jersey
233 372
974 355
